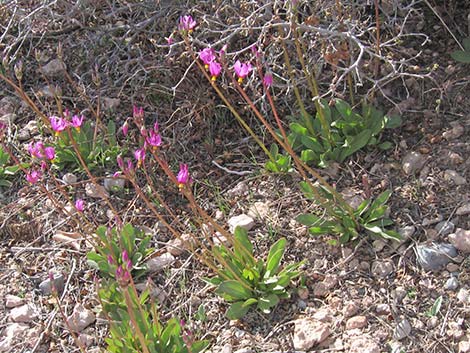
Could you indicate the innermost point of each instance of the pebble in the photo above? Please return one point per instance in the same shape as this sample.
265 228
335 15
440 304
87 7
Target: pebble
461 240
69 178
432 322
114 184
452 268
259 210
8 119
464 296
160 262
23 135
382 268
452 284
456 131
413 162
445 227
301 304
452 175
96 191
53 68
382 309
86 340
463 210
239 190
427 221
324 314
80 318
330 281
455 158
110 103
398 294
406 232
12 301
435 256
303 293
320 290
24 313
379 244
364 344
402 330
309 333
464 346
46 285
350 309
352 197
177 246
8 105
242 220
356 322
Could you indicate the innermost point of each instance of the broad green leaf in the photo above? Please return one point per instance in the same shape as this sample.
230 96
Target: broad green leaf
308 219
275 255
344 238
355 143
266 303
312 143
237 311
274 150
376 213
242 246
436 307
461 56
307 190
385 145
233 290
298 129
5 183
380 200
466 43
343 108
319 230
307 156
199 346
362 208
250 301
393 121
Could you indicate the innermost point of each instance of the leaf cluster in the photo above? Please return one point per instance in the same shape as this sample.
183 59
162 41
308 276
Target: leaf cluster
245 282
462 56
7 170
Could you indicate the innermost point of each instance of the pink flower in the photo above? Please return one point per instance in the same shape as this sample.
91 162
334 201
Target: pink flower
125 128
33 176
36 150
242 70
207 55
80 205
186 23
77 121
156 127
214 68
50 153
139 155
183 175
58 124
137 112
154 139
268 79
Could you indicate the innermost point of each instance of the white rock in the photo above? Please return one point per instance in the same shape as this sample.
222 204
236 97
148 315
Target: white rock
350 309
8 119
452 284
364 344
464 346
402 330
243 221
259 210
382 309
80 318
54 68
324 314
406 232
177 246
86 340
13 301
413 162
320 290
456 131
382 268
356 322
239 190
160 262
69 178
309 332
445 227
114 184
461 240
452 175
24 313
463 296
463 210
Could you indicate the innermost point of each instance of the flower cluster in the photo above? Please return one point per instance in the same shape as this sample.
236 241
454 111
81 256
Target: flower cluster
208 57
186 24
242 70
38 150
123 271
59 124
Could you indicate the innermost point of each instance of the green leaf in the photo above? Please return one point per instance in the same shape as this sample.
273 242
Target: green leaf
393 121
355 143
237 311
385 145
319 230
298 129
307 156
250 301
436 307
466 43
275 255
343 108
266 303
242 246
461 56
312 143
380 200
308 219
232 290
274 150
199 346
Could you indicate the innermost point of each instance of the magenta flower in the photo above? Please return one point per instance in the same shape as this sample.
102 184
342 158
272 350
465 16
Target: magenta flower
58 124
207 55
80 205
50 153
186 23
268 79
137 112
139 155
214 68
183 175
125 256
242 70
33 176
110 259
77 121
156 127
154 140
36 150
125 128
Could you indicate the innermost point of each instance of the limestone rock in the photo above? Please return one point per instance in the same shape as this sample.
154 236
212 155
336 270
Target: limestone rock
242 220
461 240
12 301
356 322
160 262
53 68
80 318
24 313
309 333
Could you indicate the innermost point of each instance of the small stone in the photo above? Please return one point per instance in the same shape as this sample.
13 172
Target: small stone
398 294
350 309
160 262
46 285
452 267
303 293
114 184
461 240
432 322
8 105
301 304
379 244
435 256
445 227
80 318
50 91
382 309
243 221
352 197
356 322
413 162
464 346
463 210
406 232
463 296
86 340
219 215
427 222
364 344
455 331
54 68
69 178
110 103
452 284
24 313
259 210
96 191
402 330
455 158
8 119
330 281
452 175
309 332
12 301
239 190
320 290
23 135
227 348
177 246
382 269
324 314
456 131
32 127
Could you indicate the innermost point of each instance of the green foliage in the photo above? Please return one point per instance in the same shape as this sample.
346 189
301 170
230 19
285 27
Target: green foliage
245 281
113 242
279 163
98 151
436 307
462 56
369 218
133 318
6 170
347 133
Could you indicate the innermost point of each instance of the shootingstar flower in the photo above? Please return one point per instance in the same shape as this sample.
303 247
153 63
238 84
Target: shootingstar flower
268 79
154 140
186 23
139 155
214 68
183 176
33 176
207 55
80 205
77 121
58 124
50 153
242 70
